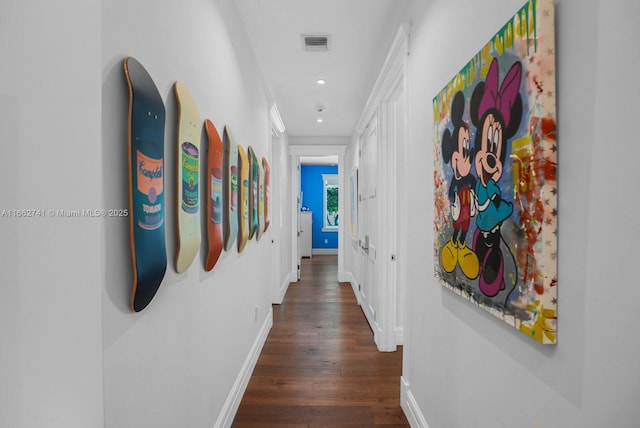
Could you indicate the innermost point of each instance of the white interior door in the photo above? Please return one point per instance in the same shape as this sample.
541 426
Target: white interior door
369 221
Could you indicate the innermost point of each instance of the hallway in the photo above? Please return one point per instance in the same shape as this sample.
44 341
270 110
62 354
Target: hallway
320 366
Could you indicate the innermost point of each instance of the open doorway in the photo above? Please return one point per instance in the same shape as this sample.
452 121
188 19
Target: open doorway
317 178
319 207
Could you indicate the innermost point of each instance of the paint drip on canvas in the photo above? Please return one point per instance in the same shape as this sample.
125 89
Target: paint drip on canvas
495 154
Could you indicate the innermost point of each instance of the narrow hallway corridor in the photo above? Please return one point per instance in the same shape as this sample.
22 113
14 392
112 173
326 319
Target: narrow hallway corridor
320 366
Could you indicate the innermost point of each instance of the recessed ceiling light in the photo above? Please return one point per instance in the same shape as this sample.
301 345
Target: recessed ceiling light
321 81
319 120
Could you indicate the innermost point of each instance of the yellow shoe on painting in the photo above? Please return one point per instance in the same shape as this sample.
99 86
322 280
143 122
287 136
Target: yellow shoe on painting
449 256
468 261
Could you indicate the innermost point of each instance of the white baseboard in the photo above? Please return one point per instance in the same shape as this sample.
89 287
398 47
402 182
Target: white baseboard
348 277
225 419
410 406
399 336
293 276
282 291
324 251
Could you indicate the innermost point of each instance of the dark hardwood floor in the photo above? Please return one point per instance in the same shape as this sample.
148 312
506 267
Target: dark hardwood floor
320 366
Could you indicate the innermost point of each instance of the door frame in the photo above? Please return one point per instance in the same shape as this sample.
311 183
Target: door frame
295 152
392 255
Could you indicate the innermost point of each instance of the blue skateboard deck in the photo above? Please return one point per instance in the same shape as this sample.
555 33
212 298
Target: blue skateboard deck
145 142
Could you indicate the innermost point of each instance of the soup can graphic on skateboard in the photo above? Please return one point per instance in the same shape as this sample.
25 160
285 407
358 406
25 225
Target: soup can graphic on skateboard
190 177
150 198
216 195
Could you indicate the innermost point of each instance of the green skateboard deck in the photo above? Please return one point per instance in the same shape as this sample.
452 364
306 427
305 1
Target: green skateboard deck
188 177
267 193
215 157
243 215
145 143
230 189
254 178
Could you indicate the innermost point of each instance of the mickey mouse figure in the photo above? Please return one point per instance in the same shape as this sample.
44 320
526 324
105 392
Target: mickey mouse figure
456 150
496 112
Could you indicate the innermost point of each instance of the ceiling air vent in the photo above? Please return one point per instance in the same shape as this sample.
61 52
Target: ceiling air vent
315 43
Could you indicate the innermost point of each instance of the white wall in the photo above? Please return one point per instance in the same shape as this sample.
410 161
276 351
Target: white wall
72 354
465 368
175 363
50 267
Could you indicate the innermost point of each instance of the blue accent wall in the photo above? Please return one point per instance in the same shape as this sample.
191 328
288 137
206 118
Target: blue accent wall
311 185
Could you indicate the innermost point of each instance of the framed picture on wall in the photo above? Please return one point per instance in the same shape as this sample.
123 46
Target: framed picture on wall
495 225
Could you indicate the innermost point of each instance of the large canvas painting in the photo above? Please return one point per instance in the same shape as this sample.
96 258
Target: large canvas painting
495 176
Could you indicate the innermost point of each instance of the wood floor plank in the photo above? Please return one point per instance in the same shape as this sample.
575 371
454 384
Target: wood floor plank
320 366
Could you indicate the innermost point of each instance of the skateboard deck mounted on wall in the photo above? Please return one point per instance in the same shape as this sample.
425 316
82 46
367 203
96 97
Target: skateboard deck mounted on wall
215 162
260 205
267 194
145 143
254 177
243 214
187 178
230 189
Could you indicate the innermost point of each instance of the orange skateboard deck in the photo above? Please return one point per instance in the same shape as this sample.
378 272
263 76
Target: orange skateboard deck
215 157
188 176
230 189
145 144
243 214
267 193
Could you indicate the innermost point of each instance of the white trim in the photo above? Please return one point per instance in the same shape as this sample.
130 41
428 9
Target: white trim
410 406
345 277
330 229
348 277
391 80
295 151
399 336
277 126
293 276
282 291
324 251
395 58
225 418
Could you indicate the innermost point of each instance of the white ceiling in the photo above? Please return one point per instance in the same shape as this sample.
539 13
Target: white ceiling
361 33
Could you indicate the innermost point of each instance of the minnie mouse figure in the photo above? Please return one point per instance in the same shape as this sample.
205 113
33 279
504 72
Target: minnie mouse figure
496 112
456 150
